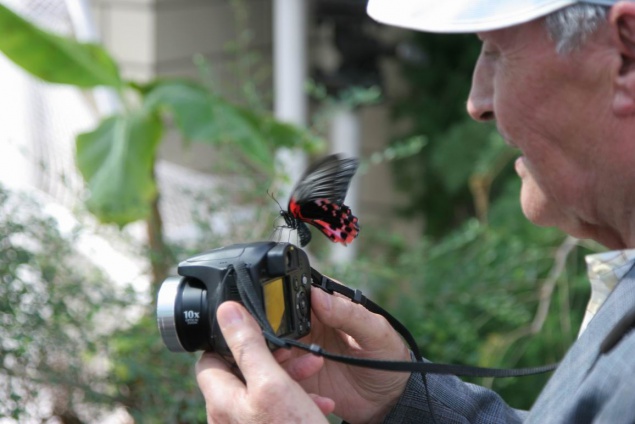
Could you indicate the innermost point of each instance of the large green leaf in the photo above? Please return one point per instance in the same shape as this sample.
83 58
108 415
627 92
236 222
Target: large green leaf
202 116
191 105
53 58
281 134
117 162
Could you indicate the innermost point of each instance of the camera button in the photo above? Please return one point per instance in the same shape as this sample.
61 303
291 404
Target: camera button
305 280
296 285
302 304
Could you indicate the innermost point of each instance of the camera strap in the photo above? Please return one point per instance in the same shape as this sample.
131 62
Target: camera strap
250 298
356 296
248 295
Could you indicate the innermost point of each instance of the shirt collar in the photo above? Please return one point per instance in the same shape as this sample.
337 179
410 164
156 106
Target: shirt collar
605 270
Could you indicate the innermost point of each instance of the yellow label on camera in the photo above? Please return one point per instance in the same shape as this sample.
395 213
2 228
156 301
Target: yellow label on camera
274 304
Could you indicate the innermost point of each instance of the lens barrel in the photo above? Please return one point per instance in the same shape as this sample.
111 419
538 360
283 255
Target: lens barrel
166 320
183 315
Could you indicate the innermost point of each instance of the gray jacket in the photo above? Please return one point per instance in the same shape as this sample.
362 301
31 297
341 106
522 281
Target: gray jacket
588 387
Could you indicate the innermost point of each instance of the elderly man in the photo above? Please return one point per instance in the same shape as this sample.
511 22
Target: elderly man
558 78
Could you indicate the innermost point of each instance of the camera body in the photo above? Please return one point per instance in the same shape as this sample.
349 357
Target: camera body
187 304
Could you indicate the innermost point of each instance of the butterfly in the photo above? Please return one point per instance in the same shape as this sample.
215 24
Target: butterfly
318 199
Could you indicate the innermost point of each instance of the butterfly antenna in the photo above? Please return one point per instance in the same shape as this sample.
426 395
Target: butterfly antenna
277 229
279 207
274 199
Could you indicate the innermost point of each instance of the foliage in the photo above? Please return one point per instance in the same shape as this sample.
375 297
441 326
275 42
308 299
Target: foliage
68 332
55 312
54 58
434 107
154 384
115 167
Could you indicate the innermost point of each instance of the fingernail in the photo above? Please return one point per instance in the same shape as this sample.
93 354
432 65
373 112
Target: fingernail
230 315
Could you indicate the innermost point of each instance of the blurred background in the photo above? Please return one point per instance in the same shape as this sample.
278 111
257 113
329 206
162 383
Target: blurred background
136 133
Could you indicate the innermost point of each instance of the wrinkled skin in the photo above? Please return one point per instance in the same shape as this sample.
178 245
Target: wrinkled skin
571 115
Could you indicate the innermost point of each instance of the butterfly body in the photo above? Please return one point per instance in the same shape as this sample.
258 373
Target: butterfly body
318 199
304 234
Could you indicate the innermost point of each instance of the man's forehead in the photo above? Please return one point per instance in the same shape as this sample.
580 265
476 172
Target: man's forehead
455 16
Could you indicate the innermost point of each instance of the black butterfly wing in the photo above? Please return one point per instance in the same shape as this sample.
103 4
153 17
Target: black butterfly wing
318 199
328 178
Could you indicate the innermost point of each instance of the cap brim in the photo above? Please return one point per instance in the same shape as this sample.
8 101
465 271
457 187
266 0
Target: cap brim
460 15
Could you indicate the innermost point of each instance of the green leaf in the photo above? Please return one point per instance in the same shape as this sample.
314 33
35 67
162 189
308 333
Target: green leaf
53 58
190 104
117 162
202 116
281 134
233 125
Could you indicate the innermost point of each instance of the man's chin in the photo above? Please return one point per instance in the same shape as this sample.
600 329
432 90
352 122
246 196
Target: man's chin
543 213
535 204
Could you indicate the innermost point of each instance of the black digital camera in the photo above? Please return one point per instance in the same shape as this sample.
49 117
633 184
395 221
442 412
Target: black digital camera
186 304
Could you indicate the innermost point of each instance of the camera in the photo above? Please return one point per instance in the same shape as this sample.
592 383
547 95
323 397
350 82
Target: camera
187 304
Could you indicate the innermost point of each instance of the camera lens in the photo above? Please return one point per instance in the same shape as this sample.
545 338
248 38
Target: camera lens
182 315
165 313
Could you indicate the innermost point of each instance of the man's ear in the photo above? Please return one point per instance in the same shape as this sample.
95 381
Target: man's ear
622 21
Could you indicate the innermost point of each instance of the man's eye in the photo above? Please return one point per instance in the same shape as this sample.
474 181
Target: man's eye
489 53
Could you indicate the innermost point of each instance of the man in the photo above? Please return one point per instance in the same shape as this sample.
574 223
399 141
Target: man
558 78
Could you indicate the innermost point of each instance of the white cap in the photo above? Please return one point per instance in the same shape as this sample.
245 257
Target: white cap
465 15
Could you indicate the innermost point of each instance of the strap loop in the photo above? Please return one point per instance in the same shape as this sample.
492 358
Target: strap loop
357 297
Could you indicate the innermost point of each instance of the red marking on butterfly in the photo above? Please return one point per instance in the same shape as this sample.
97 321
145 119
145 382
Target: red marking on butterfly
318 199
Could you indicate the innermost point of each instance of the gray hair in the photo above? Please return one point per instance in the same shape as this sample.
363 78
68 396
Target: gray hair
570 27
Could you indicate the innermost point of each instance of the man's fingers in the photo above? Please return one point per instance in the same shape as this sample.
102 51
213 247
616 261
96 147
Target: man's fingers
283 355
244 338
326 405
216 381
371 331
304 366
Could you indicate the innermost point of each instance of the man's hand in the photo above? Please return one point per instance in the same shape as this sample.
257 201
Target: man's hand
268 394
361 395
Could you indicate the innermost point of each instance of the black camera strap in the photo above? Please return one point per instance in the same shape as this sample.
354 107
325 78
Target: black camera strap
249 297
356 296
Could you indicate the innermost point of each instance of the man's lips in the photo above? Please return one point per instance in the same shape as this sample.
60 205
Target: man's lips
519 166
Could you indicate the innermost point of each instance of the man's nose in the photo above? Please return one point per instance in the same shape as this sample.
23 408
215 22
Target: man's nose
480 102
479 111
